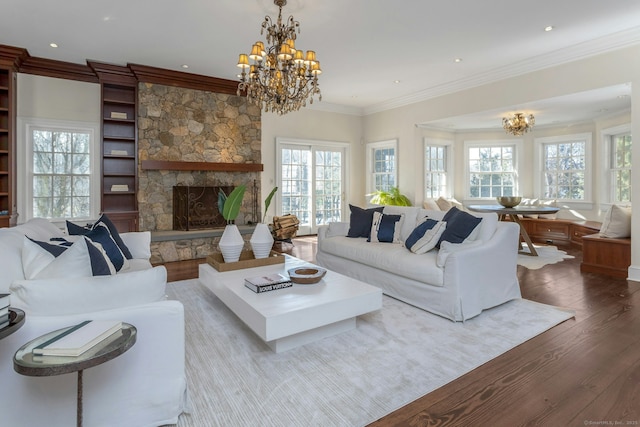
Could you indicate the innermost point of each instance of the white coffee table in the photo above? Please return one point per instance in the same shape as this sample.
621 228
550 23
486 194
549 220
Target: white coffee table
294 316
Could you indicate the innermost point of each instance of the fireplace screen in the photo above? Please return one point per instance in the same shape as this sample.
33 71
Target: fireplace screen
196 208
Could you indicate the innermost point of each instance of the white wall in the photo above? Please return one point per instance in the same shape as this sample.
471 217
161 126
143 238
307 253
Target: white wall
58 99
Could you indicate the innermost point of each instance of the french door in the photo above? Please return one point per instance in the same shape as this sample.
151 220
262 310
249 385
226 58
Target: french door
311 178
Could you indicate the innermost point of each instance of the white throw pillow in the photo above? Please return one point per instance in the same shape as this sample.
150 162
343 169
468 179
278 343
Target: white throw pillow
62 296
447 248
617 223
337 229
37 263
431 204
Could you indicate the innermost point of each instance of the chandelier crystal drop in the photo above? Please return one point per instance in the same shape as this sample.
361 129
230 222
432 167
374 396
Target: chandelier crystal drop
280 78
518 124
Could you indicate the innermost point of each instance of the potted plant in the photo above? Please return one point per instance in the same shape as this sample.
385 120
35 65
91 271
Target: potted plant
391 197
231 242
261 239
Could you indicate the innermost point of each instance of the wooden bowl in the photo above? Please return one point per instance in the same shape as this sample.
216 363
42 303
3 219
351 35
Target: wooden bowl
306 275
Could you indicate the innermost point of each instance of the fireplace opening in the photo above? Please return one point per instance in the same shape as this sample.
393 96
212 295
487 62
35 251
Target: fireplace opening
196 208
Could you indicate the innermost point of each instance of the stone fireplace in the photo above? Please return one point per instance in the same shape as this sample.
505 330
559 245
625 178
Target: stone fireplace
189 126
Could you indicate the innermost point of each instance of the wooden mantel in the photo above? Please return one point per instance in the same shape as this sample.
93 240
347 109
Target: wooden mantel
201 166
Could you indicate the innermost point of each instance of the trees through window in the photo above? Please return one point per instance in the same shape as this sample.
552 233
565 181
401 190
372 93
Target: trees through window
492 170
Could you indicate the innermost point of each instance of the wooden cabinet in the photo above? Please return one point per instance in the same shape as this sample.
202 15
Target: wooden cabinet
584 228
552 232
602 255
7 147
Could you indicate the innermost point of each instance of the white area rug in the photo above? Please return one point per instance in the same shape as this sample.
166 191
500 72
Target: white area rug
546 255
394 356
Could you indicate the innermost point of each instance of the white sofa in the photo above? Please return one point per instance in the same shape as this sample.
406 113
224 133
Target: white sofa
145 386
473 276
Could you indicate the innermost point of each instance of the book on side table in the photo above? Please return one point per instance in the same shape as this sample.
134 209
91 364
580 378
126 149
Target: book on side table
79 338
267 282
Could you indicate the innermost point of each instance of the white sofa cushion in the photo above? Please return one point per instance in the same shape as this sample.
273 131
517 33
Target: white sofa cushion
410 218
395 259
62 296
616 223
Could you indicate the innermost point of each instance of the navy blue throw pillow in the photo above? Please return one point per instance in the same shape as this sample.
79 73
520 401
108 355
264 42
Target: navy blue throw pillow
419 231
361 220
460 225
74 229
100 234
384 230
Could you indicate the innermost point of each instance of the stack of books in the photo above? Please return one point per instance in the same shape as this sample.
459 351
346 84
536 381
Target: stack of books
77 339
268 282
4 309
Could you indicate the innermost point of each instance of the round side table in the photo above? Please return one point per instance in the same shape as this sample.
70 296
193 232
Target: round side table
26 363
16 320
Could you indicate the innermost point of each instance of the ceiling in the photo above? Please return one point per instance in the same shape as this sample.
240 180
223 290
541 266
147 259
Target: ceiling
365 46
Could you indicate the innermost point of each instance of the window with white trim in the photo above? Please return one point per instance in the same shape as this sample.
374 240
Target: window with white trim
621 167
563 161
491 169
60 179
381 158
437 169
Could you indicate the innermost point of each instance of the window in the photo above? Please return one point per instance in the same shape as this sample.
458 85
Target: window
563 161
381 158
492 169
621 167
437 169
60 179
311 177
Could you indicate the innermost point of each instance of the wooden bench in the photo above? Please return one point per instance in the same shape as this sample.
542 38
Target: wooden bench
603 255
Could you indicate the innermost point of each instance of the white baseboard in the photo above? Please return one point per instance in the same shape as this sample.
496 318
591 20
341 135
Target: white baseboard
634 273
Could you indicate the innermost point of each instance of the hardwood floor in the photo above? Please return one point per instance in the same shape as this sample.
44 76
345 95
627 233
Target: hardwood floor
585 371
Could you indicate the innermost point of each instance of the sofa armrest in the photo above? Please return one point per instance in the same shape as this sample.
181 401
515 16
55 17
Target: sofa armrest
139 243
487 272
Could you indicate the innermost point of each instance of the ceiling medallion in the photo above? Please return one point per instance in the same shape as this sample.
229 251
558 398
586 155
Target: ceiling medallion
518 124
281 78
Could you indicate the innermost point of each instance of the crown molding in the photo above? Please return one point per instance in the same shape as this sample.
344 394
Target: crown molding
573 53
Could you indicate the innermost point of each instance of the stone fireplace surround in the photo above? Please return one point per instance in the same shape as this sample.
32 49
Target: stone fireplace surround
185 125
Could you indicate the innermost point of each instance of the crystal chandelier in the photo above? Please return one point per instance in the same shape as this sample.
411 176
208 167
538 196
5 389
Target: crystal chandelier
281 78
518 124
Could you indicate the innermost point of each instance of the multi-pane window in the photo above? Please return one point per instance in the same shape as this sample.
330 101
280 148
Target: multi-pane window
328 193
61 173
384 167
621 167
296 183
492 171
564 169
435 165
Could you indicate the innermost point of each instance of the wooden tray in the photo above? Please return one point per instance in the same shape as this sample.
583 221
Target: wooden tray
247 260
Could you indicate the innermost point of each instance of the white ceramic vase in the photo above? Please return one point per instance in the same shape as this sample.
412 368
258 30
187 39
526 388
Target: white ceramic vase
231 243
261 241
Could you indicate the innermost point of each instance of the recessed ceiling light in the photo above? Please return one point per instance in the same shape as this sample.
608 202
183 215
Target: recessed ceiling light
622 96
396 81
53 45
549 28
457 60
184 66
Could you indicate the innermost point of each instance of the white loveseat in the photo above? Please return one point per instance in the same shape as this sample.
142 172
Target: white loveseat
145 386
472 276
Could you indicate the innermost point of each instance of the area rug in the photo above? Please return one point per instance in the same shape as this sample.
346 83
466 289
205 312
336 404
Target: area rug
394 356
546 255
